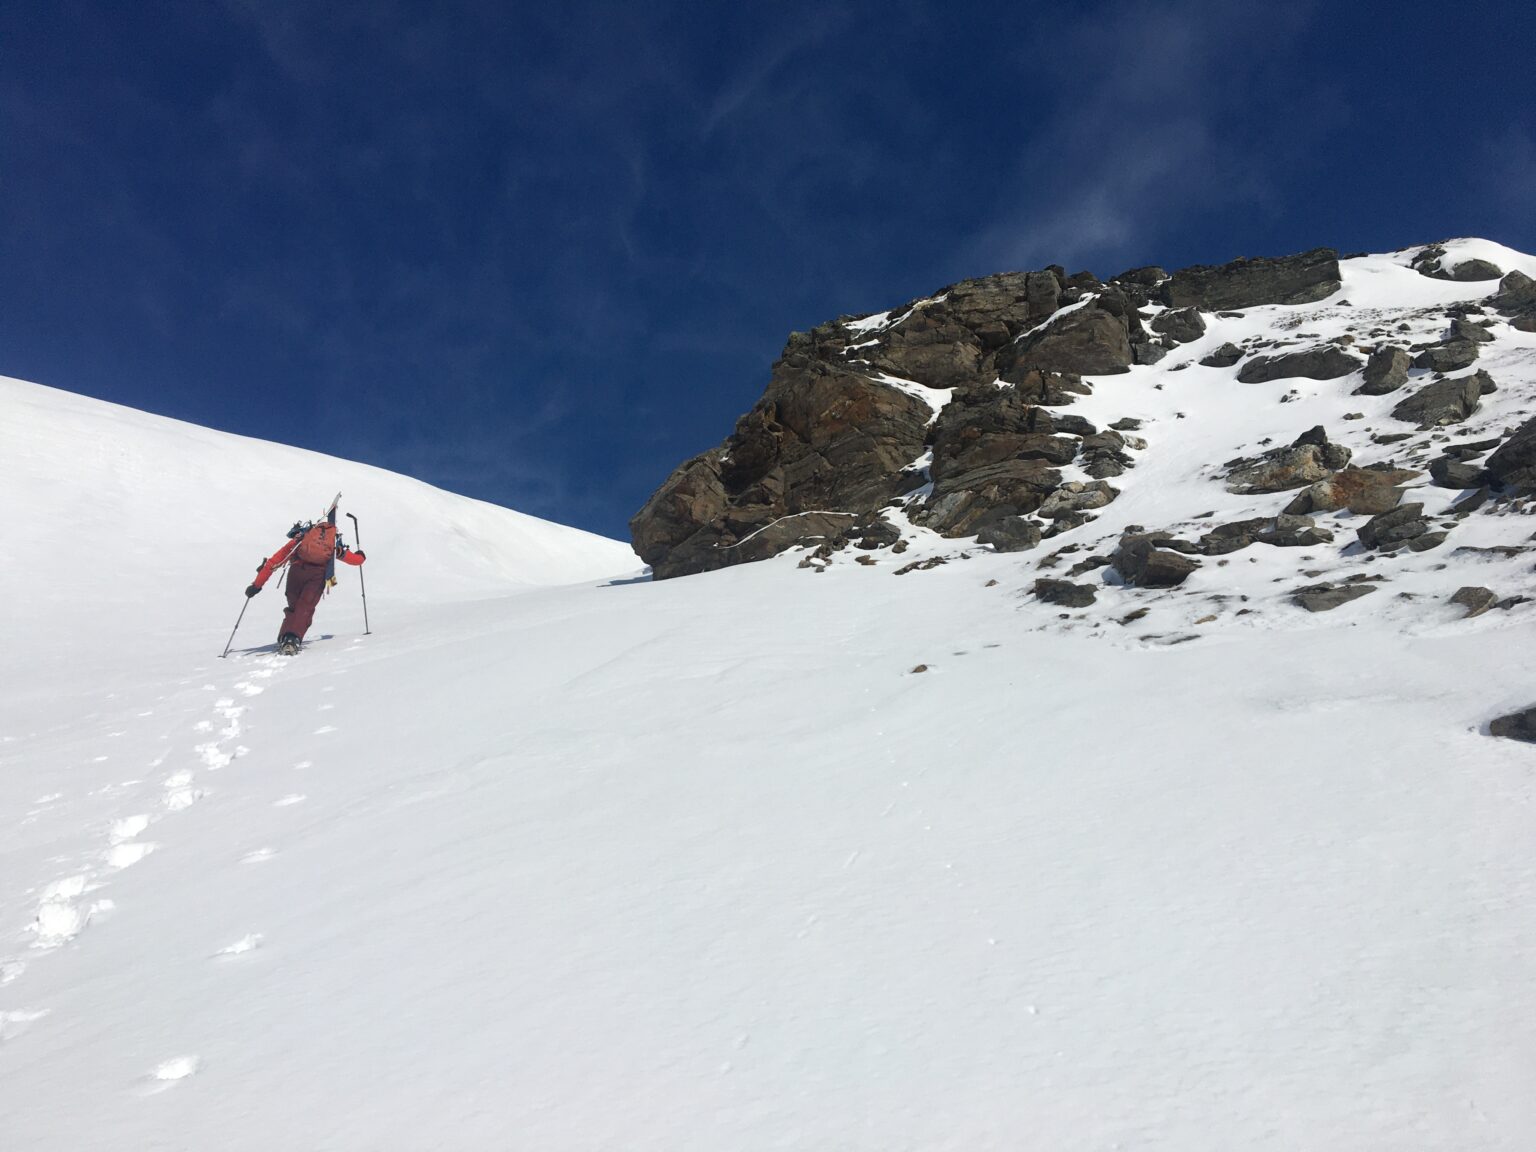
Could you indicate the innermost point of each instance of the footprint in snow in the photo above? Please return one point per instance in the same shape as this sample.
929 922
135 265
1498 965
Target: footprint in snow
180 799
59 918
324 729
128 827
246 688
289 800
14 1023
247 943
11 969
121 856
302 764
213 757
260 856
170 1073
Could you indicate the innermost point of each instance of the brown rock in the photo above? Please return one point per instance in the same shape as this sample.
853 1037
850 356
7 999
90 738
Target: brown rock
1364 491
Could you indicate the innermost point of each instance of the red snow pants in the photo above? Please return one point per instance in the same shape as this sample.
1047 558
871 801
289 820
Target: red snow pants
306 583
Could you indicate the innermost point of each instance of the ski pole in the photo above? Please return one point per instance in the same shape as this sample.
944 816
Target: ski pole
236 628
361 583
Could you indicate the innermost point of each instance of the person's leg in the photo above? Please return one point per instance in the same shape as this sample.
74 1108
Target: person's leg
306 582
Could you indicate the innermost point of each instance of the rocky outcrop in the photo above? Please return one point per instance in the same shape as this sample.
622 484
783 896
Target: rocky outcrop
1064 593
1308 459
1393 529
1474 599
1142 564
1516 301
822 440
1223 356
1325 362
1519 725
1513 465
1090 340
1442 402
1302 279
1010 534
951 408
1326 597
1447 356
1432 262
1179 324
1364 491
1283 531
1386 371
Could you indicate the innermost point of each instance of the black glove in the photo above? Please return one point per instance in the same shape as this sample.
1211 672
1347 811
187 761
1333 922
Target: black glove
251 591
360 554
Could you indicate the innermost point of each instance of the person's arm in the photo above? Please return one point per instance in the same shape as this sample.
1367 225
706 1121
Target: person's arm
271 565
347 556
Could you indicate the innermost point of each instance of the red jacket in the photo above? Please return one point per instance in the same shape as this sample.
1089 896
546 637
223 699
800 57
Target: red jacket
280 557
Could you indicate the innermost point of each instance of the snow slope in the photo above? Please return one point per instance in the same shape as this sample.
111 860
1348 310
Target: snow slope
131 528
709 864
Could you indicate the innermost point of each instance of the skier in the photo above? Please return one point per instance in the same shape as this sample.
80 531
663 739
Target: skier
310 552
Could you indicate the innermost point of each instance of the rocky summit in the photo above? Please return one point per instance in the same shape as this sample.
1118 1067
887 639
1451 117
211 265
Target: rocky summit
1339 425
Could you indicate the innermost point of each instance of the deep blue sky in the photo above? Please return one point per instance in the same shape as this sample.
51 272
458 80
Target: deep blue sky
542 253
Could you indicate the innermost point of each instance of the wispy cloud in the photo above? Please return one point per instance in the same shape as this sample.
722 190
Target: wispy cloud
760 70
1139 137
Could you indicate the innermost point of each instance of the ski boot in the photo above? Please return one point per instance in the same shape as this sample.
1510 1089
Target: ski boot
288 644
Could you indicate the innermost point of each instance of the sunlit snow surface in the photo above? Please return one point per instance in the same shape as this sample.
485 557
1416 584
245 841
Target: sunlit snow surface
559 860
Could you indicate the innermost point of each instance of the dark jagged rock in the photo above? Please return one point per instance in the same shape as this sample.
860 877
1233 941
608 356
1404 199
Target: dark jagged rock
1089 341
1064 593
1291 531
1514 463
948 342
1301 279
1430 261
981 428
1469 270
1519 725
1048 389
1450 472
1463 329
1364 491
1447 356
1234 536
1143 564
1441 402
1308 459
1011 534
1147 352
1149 276
1071 425
964 503
1325 362
877 532
1327 597
1180 324
1077 497
1386 371
1516 300
1395 528
821 441
1223 357
1283 531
